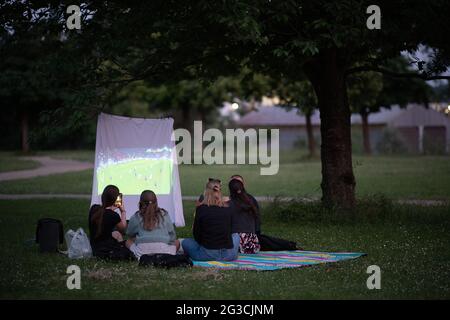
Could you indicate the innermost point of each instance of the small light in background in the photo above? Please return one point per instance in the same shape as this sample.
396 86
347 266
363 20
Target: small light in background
234 106
276 100
447 111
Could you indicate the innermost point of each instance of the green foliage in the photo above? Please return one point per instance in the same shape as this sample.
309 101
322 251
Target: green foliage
402 91
44 66
441 92
55 129
363 92
371 209
188 99
391 143
298 94
434 145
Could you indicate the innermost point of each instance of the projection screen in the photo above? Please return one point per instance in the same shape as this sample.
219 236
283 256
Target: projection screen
136 155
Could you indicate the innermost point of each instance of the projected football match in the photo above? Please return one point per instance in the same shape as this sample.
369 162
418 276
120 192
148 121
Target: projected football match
135 170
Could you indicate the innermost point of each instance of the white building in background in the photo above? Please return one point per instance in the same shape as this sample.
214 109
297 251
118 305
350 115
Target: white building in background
419 129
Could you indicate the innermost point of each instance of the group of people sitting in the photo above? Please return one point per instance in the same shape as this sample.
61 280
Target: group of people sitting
223 226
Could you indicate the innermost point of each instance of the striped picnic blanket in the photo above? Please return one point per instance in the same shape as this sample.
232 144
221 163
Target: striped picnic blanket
275 260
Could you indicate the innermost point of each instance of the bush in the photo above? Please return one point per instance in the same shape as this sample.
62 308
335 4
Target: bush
376 209
433 145
391 143
300 143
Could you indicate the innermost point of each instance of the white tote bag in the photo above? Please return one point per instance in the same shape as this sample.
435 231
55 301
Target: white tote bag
78 245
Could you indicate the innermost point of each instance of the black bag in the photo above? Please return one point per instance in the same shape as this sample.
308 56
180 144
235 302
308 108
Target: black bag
112 250
164 260
269 243
49 234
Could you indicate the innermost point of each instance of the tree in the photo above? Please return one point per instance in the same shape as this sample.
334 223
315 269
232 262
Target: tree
363 92
328 41
40 71
324 40
252 86
369 91
300 94
441 92
401 91
191 99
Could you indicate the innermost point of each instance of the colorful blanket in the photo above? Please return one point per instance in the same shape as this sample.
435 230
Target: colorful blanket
275 260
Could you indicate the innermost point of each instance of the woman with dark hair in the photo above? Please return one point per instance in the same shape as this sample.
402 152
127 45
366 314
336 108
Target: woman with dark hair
150 229
106 226
245 218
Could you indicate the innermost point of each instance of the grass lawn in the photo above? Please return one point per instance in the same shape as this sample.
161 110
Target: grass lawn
11 162
410 245
415 177
80 155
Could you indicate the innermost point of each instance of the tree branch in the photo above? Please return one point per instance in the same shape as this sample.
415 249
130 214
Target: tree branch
410 75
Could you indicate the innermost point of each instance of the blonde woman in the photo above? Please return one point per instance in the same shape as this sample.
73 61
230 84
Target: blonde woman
212 228
200 199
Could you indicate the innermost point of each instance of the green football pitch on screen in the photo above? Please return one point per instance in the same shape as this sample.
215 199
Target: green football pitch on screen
136 175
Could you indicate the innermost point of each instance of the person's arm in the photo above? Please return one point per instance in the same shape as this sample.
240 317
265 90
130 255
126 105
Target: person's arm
170 229
122 225
172 233
199 201
132 228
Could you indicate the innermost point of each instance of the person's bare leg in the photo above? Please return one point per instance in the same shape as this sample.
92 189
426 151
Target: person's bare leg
117 235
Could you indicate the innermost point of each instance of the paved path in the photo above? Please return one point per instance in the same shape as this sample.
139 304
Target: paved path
48 166
425 203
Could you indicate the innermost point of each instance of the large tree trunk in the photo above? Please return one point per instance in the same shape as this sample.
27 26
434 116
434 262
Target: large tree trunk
366 132
24 131
327 75
310 135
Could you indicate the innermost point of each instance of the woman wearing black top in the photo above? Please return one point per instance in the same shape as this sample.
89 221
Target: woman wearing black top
212 229
106 227
245 221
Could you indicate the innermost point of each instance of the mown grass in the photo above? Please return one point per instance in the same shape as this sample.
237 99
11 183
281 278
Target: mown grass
80 155
409 244
9 161
419 177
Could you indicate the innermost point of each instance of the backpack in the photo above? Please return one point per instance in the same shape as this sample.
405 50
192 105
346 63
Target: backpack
164 260
49 234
